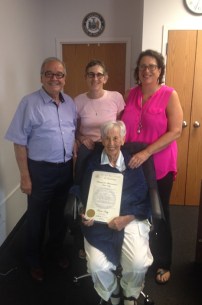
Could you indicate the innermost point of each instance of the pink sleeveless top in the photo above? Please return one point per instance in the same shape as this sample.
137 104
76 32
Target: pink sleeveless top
153 119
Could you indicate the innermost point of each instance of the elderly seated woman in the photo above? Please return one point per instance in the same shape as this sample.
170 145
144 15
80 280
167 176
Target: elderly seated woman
124 240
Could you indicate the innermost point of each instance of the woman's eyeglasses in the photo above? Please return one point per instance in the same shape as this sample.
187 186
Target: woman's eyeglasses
94 75
151 68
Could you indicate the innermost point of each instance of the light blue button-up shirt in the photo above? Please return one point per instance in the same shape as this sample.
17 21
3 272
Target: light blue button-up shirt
47 130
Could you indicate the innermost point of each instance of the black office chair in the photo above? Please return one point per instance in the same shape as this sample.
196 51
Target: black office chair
74 205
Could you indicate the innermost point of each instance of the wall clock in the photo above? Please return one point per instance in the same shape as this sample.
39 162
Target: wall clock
195 6
93 24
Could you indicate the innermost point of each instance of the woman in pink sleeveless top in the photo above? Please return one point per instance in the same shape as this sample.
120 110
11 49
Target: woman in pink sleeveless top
153 115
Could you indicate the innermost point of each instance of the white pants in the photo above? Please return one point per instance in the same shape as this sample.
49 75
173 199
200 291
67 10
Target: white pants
135 260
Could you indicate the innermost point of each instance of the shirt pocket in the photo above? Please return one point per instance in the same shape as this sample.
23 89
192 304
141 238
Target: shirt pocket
155 111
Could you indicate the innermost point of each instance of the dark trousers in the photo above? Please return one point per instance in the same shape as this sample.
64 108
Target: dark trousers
50 186
161 238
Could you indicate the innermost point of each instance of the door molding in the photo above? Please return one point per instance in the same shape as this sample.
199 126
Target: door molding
126 40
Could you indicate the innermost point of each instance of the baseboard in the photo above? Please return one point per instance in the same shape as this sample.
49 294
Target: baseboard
12 234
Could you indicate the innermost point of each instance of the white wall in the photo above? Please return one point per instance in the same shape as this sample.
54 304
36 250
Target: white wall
21 52
123 19
163 15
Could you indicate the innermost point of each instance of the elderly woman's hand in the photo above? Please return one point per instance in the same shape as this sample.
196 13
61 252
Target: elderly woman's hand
87 222
139 158
119 223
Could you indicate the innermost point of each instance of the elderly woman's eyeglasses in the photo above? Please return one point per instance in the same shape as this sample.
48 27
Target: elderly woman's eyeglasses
49 74
93 75
151 68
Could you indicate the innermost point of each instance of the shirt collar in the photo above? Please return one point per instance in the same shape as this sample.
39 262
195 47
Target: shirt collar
47 98
120 163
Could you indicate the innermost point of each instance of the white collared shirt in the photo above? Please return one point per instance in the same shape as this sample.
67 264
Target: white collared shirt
120 163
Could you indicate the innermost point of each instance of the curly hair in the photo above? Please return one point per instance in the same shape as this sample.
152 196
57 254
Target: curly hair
160 63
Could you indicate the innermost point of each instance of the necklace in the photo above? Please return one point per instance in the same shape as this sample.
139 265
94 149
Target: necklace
142 111
95 99
94 108
139 128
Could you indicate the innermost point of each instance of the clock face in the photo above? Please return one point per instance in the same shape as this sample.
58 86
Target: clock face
93 24
195 6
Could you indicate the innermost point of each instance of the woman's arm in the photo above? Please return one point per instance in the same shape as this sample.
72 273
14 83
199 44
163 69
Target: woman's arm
175 117
126 95
81 139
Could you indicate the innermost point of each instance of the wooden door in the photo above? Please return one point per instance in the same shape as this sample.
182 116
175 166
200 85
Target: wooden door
76 57
194 166
181 73
198 256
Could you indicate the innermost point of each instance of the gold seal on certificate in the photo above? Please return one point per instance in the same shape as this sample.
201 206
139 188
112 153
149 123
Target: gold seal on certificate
104 196
90 213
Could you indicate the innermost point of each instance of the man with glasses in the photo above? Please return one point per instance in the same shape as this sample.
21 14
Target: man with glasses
43 133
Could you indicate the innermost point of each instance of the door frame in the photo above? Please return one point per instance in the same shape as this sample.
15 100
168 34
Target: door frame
126 40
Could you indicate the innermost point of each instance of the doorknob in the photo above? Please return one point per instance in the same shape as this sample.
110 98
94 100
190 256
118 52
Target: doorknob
184 124
196 124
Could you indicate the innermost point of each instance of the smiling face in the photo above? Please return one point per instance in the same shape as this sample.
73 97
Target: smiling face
112 142
96 78
53 85
148 71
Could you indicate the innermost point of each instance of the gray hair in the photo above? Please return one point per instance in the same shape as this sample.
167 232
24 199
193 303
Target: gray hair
96 62
49 59
111 125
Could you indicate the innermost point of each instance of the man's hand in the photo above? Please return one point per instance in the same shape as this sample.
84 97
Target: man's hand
26 185
21 157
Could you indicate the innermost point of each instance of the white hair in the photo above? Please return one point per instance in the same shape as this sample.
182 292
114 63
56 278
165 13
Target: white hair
111 125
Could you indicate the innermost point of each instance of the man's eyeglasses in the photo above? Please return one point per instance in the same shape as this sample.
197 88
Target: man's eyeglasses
151 68
49 74
93 75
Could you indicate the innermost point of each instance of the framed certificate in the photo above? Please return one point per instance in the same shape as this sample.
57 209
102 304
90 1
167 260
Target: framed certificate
104 198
